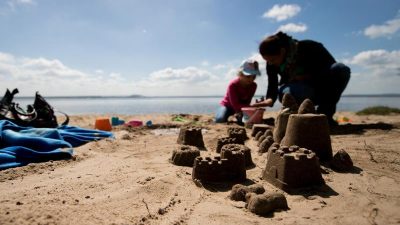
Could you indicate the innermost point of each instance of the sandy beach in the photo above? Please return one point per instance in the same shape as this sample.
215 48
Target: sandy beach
129 180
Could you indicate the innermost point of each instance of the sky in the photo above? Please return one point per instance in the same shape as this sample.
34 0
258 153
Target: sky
184 47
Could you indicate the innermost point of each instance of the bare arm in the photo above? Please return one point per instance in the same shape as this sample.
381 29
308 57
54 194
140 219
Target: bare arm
267 102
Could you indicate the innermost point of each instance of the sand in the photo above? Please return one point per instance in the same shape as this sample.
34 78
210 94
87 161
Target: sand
129 180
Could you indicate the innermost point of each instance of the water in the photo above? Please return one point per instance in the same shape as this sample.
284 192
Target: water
190 105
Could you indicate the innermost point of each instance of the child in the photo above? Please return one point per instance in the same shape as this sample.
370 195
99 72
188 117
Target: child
239 93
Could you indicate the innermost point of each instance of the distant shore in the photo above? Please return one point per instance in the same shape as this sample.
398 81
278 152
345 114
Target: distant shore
394 95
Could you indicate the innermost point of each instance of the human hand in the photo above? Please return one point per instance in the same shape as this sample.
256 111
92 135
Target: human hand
260 100
265 103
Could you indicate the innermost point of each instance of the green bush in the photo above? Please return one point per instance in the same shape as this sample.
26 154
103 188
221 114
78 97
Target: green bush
378 110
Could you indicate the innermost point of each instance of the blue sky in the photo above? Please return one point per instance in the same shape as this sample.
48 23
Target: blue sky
184 47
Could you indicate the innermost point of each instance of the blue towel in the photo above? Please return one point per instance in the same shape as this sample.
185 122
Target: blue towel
20 146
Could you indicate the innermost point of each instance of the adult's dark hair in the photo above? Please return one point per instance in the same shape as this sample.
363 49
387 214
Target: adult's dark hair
272 45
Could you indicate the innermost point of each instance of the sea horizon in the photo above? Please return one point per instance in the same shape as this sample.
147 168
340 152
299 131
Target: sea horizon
191 96
182 104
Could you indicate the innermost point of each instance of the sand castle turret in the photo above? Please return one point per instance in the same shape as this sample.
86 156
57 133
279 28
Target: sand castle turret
290 168
310 131
191 136
260 127
289 106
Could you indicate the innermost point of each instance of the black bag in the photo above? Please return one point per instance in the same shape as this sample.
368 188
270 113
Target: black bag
40 114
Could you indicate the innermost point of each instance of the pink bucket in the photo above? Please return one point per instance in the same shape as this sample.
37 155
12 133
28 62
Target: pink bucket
134 123
253 115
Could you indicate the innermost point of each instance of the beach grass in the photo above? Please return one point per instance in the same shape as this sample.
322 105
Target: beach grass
378 110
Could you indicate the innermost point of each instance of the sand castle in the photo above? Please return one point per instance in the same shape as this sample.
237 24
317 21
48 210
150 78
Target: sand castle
239 133
184 155
289 168
230 166
191 136
238 148
309 130
224 141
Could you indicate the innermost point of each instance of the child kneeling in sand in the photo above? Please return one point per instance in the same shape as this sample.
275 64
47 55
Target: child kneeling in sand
239 93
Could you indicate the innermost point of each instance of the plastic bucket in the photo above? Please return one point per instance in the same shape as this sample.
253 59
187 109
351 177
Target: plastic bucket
103 123
253 115
134 123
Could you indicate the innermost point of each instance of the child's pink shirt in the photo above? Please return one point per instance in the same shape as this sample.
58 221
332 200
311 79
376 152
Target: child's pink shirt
237 96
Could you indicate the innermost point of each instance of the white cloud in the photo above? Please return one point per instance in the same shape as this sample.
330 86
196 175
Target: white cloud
99 71
293 28
219 66
52 77
375 72
282 12
22 2
8 6
389 28
378 60
15 3
181 76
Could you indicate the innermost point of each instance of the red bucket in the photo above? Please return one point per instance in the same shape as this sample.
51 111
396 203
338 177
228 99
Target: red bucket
253 115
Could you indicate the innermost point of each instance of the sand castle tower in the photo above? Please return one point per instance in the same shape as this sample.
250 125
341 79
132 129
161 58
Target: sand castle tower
191 135
289 106
309 130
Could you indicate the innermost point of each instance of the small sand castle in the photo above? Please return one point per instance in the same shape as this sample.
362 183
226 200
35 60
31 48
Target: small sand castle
239 133
290 168
191 135
230 166
238 148
289 106
184 155
309 130
224 141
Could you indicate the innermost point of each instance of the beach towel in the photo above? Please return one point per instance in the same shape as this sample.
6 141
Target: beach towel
20 145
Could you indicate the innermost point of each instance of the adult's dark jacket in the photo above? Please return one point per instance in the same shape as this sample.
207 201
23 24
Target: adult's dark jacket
312 62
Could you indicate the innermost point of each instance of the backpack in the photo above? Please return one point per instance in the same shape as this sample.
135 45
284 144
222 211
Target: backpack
40 114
